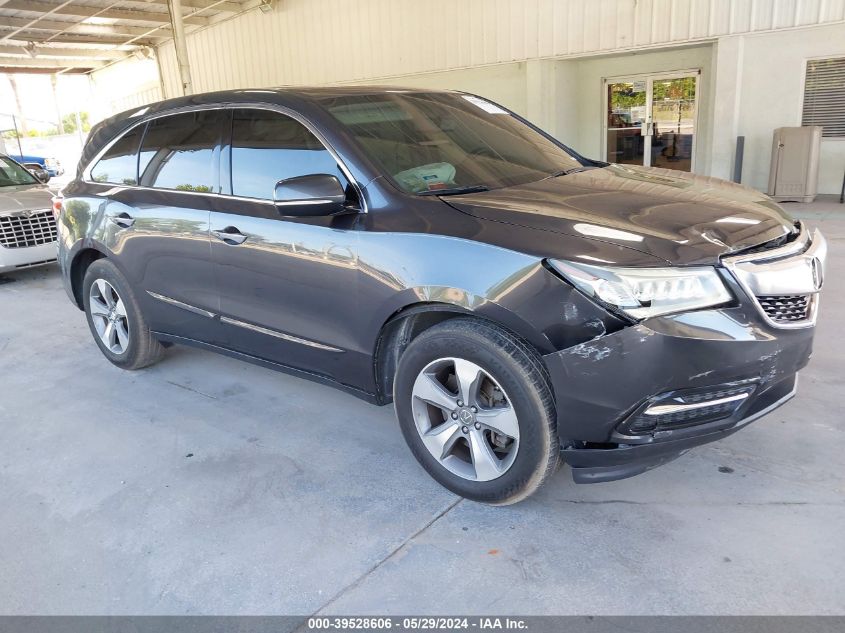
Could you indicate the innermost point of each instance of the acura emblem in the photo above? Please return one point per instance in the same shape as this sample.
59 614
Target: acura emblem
818 274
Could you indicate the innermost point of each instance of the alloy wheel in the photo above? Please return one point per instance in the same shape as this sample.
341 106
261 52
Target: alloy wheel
108 313
465 419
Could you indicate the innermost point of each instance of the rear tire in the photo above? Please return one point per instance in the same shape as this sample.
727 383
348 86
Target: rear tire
115 319
475 406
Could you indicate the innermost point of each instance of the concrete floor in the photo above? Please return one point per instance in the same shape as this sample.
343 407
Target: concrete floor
208 486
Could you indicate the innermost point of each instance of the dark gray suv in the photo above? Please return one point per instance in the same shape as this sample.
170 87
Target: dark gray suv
520 305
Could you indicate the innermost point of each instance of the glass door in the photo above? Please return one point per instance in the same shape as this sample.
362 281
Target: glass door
626 116
651 121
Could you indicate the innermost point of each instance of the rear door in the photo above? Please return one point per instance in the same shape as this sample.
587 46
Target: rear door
164 218
287 285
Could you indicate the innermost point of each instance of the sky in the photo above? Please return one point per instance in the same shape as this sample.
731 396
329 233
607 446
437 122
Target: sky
36 95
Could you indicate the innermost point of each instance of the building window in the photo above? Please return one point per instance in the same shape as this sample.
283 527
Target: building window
824 96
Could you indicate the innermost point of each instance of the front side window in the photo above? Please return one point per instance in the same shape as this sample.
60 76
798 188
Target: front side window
178 151
119 165
268 147
12 174
438 141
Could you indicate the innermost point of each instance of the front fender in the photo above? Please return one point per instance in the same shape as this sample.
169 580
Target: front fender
461 300
513 289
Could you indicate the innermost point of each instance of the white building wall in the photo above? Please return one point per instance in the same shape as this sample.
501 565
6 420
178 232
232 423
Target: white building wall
771 91
503 83
545 59
325 41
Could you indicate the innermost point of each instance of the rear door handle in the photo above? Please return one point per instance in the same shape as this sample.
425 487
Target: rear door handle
230 235
123 220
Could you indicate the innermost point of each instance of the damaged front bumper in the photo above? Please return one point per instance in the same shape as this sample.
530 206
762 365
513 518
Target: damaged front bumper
640 397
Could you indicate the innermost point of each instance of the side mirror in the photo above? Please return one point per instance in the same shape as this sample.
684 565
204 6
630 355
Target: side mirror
312 195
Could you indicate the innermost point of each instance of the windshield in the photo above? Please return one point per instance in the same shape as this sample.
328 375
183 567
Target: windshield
12 174
448 142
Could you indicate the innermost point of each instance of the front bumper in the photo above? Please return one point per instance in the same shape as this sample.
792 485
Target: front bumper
602 384
17 258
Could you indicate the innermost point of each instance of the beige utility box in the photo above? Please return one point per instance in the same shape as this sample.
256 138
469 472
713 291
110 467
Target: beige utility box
794 174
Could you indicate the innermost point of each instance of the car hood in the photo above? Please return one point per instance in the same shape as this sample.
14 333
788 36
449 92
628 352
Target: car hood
678 217
25 198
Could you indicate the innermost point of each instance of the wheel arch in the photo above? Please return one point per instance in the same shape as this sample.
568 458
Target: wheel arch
79 265
404 325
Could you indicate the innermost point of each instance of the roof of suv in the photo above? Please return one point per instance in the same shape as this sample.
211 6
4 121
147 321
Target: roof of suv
294 97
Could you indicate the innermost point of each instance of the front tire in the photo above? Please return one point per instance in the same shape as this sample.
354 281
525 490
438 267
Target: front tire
475 407
115 319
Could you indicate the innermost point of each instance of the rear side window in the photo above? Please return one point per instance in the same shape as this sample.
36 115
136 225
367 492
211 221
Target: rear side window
178 151
119 165
268 147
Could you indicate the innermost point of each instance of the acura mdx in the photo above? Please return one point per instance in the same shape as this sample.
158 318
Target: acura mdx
519 304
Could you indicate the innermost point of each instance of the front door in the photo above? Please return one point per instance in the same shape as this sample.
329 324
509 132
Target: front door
651 120
286 285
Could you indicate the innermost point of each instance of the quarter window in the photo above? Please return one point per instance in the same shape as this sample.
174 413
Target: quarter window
268 147
178 151
119 165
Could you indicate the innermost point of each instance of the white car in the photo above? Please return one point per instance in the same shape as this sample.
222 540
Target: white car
27 224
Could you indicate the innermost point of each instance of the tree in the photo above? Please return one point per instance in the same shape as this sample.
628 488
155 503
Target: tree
69 122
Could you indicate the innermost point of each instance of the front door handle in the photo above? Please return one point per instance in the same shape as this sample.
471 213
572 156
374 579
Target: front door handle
123 220
230 235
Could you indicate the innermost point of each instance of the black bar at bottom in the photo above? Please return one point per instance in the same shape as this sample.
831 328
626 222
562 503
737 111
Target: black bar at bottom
376 623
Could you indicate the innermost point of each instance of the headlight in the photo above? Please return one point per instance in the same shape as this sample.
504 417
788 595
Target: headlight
647 292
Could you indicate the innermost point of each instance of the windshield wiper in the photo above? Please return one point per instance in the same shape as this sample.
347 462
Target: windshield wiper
454 191
571 170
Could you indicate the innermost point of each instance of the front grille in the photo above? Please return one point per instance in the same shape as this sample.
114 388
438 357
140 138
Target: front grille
22 231
786 308
784 281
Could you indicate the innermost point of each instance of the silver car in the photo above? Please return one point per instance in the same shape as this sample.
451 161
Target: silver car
27 225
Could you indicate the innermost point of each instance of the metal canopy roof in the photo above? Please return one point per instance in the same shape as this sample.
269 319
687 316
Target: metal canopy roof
50 36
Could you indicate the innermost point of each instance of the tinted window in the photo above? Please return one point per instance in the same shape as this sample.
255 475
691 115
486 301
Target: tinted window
268 147
119 165
178 151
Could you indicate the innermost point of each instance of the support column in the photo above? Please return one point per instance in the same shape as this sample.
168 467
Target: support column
551 92
727 97
541 93
175 9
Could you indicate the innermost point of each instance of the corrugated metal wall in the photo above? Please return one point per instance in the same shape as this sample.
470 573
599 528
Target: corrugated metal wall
328 41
